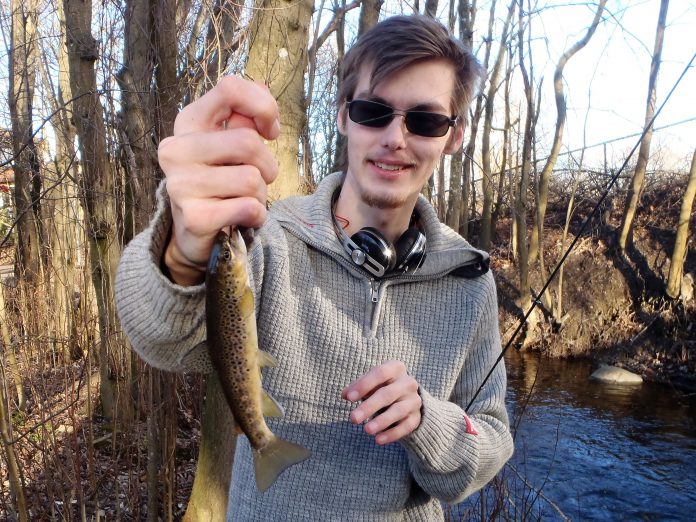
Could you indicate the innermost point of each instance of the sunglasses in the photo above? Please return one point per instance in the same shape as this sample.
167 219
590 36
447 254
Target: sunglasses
377 115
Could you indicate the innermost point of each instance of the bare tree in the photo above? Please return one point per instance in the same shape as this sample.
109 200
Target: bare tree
543 190
23 63
487 181
523 185
208 501
97 189
15 477
460 170
136 122
278 57
431 8
369 14
61 194
676 267
626 230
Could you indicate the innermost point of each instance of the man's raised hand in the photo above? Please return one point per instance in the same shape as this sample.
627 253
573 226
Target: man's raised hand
217 167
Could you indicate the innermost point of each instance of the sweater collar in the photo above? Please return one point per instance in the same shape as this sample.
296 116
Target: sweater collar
310 219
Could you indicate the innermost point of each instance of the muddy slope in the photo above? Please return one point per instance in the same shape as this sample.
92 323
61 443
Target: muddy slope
614 306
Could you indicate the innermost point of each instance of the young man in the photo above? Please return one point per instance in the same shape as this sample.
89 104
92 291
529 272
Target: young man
379 351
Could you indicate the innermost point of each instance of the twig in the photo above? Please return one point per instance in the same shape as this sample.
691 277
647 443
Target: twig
645 329
540 494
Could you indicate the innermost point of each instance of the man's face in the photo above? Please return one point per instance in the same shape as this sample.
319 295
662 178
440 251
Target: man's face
388 166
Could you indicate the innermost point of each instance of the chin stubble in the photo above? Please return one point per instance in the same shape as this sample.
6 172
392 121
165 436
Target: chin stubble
382 201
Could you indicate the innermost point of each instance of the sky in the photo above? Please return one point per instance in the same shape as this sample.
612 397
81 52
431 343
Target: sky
606 82
614 70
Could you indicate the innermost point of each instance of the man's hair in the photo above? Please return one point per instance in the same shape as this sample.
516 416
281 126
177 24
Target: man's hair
401 41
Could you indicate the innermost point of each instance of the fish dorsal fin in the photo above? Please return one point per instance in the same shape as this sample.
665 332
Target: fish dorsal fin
269 406
266 360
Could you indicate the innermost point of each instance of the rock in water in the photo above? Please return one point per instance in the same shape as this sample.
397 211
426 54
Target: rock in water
613 374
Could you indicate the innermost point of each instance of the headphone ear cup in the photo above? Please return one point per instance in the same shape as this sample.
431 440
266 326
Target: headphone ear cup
410 250
373 243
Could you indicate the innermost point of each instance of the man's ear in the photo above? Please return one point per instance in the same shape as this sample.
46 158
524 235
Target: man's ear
455 139
341 118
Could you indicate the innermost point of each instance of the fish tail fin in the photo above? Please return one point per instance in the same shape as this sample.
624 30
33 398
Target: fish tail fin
275 458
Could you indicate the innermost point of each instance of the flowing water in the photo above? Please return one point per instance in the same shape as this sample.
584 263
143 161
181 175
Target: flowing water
585 450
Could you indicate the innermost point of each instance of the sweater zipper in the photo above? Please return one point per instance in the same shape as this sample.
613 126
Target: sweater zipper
376 288
376 293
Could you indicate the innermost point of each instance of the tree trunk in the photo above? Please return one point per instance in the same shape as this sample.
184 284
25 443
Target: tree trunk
167 89
138 151
163 411
626 230
459 202
545 177
441 189
431 8
676 267
505 162
487 181
97 187
211 485
62 194
454 196
278 58
454 200
340 144
14 472
369 15
22 65
523 186
307 159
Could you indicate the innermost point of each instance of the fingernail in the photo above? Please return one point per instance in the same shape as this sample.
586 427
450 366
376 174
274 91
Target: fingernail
276 127
357 417
370 427
353 396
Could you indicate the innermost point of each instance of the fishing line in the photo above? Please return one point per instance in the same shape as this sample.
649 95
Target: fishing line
614 179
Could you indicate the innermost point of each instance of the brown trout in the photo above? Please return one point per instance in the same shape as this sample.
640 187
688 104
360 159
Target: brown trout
233 348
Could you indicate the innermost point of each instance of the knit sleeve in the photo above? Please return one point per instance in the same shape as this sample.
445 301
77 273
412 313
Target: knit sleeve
164 322
452 454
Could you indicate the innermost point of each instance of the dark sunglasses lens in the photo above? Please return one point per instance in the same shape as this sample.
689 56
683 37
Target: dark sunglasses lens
369 113
429 124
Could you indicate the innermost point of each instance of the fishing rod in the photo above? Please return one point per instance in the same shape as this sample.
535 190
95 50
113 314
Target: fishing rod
536 302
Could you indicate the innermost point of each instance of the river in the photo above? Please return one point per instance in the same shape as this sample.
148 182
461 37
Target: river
586 450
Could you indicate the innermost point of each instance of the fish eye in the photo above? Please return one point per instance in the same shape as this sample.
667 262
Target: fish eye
226 254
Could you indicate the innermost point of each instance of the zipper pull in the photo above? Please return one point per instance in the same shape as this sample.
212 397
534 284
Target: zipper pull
374 290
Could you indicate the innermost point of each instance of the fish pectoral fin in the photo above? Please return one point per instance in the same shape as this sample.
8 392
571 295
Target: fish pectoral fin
269 406
275 458
266 360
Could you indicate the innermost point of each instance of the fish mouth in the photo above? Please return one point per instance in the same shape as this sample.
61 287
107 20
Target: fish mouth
213 259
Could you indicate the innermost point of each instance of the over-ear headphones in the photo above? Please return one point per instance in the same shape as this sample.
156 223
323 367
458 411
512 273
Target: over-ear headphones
369 249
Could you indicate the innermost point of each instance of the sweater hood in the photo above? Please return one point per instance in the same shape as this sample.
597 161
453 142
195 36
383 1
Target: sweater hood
309 218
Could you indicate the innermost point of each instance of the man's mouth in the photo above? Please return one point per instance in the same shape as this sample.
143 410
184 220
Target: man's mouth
389 166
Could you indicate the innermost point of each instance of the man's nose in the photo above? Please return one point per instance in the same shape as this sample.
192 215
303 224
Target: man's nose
394 135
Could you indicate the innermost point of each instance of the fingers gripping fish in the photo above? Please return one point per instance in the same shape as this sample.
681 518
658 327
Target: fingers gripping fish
234 351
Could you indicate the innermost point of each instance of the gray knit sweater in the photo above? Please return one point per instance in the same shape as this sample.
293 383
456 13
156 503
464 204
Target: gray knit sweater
327 323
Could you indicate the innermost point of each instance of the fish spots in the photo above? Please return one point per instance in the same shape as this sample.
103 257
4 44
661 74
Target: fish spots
232 337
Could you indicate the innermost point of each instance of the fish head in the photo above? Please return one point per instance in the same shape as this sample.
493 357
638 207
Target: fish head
228 257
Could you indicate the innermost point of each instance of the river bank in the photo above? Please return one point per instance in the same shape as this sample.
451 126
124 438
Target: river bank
614 306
